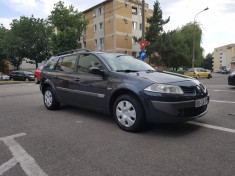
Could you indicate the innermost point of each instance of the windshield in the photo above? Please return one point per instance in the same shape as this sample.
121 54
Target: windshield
28 72
126 63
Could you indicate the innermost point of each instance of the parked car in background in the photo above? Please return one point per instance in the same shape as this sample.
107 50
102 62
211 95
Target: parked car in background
198 73
225 71
231 79
3 76
37 75
121 85
21 75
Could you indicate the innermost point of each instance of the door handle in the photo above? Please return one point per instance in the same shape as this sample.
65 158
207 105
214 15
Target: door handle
76 79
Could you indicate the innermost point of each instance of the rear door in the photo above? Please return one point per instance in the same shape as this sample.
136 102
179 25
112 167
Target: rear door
65 79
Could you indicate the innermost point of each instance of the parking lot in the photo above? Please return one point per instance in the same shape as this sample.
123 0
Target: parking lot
73 141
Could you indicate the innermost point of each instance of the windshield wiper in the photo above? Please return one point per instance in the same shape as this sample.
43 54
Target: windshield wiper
150 71
126 71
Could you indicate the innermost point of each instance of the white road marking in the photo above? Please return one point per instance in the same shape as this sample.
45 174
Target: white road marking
20 156
223 91
79 121
218 101
212 126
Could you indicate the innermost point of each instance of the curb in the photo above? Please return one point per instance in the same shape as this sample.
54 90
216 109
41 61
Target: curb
7 82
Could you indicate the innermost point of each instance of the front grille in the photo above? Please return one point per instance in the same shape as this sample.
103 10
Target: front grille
190 112
189 90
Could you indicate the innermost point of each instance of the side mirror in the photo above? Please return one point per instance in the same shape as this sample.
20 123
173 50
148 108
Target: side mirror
96 70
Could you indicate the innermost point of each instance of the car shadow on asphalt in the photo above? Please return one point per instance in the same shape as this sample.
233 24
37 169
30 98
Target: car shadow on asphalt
170 129
151 129
87 113
232 87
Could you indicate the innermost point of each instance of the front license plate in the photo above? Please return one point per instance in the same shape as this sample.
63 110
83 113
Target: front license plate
201 102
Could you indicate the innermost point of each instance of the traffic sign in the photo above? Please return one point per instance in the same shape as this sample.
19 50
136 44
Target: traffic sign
143 44
142 55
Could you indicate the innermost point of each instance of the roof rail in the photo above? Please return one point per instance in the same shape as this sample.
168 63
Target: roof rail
73 51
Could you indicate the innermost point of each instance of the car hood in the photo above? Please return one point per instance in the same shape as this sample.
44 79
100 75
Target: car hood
163 77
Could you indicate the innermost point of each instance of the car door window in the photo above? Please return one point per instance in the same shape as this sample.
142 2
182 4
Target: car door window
66 64
86 61
51 64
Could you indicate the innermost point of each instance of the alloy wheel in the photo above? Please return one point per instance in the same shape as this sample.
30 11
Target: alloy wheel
48 98
126 113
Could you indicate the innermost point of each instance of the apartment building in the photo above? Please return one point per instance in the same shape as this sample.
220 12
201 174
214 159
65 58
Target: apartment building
222 57
113 24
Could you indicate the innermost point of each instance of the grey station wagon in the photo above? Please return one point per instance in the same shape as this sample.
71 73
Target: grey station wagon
121 85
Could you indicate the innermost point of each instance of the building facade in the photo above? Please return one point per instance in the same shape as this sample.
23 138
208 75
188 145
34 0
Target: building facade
222 57
113 25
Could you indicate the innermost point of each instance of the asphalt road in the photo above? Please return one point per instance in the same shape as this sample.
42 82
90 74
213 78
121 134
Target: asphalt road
72 141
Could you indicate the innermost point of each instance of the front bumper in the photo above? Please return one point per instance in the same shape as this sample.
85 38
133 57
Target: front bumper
172 111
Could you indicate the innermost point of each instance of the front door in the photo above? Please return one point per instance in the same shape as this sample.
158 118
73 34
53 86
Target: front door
92 87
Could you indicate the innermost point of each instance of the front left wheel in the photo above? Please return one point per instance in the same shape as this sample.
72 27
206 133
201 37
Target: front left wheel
50 100
128 113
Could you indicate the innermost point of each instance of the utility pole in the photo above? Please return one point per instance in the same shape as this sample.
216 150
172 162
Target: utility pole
194 27
143 20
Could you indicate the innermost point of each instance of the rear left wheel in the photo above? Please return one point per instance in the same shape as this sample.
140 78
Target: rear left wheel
128 113
50 100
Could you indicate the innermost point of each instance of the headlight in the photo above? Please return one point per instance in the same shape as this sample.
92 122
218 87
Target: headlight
163 88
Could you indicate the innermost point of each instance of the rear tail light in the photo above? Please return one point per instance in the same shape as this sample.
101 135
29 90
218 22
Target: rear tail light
194 73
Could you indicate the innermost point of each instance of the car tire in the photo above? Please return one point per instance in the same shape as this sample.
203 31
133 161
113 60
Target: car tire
50 100
209 76
129 113
36 80
197 77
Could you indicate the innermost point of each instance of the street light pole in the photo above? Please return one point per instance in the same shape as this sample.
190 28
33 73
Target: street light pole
193 59
143 20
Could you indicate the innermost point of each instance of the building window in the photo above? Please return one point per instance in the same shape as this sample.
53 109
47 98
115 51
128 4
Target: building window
134 54
96 42
133 41
101 10
134 10
101 41
140 11
140 26
95 28
126 52
101 26
94 13
134 25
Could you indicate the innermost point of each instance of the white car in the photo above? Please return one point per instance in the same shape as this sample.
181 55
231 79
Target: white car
3 76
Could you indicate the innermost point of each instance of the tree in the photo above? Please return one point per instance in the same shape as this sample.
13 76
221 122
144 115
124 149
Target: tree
3 57
27 38
154 32
176 47
187 32
38 44
14 49
68 26
207 62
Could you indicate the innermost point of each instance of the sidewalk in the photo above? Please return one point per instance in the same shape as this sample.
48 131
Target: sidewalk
11 82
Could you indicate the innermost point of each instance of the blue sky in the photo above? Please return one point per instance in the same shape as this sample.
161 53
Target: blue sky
217 23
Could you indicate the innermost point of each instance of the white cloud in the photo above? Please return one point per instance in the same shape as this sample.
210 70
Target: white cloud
6 22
